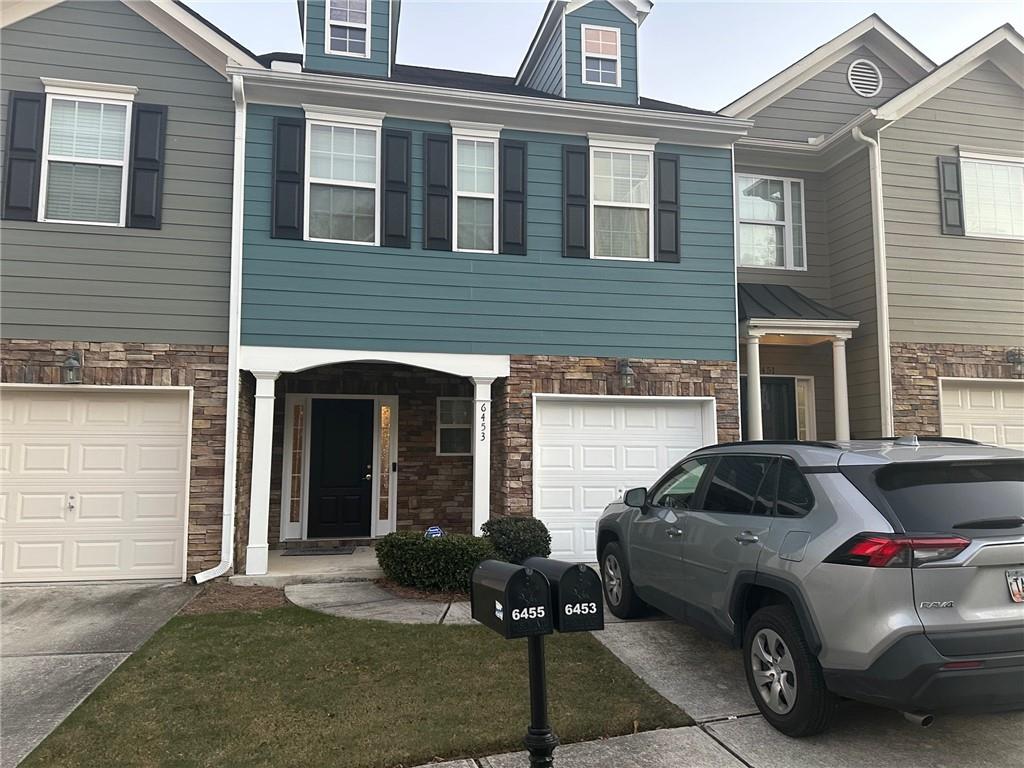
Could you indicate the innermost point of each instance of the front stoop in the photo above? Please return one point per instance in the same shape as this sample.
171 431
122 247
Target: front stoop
283 571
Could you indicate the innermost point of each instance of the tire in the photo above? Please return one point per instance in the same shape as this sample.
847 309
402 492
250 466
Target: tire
774 649
619 595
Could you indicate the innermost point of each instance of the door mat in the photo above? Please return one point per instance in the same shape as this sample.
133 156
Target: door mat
342 550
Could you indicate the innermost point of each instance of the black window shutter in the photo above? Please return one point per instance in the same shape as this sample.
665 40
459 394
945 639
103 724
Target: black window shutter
396 173
24 153
146 166
951 202
437 193
666 208
512 187
576 202
286 202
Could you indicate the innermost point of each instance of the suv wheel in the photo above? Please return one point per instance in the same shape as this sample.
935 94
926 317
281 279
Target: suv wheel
783 675
618 589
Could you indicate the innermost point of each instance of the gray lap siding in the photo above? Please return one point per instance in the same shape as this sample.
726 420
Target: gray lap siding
92 283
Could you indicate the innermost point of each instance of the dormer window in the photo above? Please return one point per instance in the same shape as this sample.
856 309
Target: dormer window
348 26
601 55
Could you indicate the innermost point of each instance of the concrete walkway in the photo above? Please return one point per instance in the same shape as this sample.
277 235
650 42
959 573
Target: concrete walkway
284 570
58 643
366 600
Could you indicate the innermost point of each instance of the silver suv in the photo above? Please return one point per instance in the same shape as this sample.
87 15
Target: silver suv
889 571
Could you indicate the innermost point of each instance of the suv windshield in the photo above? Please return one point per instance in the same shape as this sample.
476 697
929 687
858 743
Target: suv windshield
938 496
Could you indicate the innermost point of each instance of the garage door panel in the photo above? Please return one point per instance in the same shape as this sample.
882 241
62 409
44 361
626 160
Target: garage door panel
988 411
587 452
96 485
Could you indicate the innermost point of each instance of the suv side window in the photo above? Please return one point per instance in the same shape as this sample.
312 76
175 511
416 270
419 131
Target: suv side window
678 489
795 498
735 484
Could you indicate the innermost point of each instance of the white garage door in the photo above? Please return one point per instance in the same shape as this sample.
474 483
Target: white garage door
587 452
93 483
987 411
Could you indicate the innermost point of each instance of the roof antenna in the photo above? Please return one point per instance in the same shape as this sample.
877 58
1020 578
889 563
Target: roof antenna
910 441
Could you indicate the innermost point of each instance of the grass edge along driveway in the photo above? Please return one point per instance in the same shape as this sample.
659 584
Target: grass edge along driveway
290 687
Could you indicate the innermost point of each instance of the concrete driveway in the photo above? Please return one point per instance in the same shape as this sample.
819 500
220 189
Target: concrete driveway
57 643
706 679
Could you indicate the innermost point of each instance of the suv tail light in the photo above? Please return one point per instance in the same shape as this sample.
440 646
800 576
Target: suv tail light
887 550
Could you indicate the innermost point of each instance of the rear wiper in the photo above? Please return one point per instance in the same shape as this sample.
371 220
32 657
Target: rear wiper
994 522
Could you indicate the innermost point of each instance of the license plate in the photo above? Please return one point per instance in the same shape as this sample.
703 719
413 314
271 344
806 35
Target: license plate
1015 580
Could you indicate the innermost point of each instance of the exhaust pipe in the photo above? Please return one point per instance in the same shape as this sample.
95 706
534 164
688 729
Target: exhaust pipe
921 719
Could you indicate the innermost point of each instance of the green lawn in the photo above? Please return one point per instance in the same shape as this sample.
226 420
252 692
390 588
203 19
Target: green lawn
289 687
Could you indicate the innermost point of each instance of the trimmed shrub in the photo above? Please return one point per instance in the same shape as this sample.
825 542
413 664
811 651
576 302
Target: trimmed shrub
517 538
444 564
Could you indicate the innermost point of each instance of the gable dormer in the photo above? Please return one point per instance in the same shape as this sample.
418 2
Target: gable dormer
349 37
586 50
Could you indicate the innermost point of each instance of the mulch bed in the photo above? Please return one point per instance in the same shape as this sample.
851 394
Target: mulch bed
221 597
409 593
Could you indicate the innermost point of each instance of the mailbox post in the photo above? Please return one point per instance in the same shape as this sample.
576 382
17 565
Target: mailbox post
531 600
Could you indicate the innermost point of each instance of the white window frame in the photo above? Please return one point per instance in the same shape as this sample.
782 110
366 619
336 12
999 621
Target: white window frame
350 24
96 93
637 147
786 224
617 58
988 159
484 133
468 426
340 118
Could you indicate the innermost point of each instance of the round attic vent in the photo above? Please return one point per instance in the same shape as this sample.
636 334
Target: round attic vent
864 78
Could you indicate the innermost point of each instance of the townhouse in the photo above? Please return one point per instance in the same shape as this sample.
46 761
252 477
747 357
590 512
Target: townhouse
880 250
260 303
466 295
117 128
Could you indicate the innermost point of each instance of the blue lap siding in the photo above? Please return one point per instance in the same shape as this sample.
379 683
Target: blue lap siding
310 294
600 13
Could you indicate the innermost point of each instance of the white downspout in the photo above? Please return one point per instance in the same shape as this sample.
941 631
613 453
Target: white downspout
227 542
881 279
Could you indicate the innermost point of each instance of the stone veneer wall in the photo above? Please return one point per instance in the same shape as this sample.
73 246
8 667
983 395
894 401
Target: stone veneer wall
200 366
243 476
916 369
432 489
512 410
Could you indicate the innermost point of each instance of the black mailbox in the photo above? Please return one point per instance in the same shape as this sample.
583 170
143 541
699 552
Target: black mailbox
577 598
513 600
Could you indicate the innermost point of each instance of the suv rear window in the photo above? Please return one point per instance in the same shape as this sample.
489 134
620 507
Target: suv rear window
937 496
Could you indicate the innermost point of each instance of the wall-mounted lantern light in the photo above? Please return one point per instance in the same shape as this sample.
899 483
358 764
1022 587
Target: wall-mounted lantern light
71 368
1015 357
627 376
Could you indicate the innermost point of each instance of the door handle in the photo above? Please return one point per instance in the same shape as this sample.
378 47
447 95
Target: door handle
674 532
747 538
368 477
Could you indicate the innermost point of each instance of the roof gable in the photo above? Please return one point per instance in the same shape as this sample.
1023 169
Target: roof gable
871 33
1004 47
174 19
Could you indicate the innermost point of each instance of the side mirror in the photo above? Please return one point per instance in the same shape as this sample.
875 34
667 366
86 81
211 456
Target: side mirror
635 497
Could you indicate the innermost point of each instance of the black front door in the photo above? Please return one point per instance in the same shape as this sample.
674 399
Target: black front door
340 469
778 407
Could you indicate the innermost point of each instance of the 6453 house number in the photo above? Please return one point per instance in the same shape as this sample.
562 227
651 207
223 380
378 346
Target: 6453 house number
482 421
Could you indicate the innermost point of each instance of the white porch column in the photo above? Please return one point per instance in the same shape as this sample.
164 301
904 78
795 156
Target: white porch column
259 493
754 428
481 452
842 403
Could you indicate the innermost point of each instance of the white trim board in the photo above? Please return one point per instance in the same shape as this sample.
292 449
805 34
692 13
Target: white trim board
292 359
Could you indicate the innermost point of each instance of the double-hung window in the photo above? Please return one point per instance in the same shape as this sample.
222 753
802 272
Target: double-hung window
770 211
993 197
476 192
85 160
601 55
454 426
622 187
348 27
343 178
